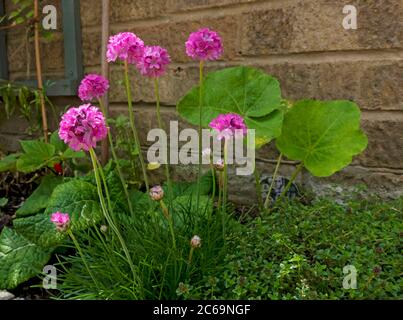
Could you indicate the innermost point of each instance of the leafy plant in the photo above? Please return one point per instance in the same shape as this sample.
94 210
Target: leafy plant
38 154
35 234
323 135
299 252
249 92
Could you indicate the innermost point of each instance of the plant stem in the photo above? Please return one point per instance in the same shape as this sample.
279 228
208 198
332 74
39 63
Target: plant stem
191 255
292 179
106 213
133 125
168 216
39 71
258 188
266 203
225 188
200 133
220 187
105 32
70 233
115 157
214 185
161 125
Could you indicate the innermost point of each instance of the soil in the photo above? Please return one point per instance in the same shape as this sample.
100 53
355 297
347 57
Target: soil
17 187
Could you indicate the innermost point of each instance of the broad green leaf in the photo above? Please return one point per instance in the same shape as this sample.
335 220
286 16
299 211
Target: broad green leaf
36 156
40 148
79 199
8 163
59 145
249 92
39 199
323 135
20 259
39 230
71 154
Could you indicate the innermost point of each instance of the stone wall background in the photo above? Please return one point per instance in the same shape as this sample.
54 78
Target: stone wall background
301 42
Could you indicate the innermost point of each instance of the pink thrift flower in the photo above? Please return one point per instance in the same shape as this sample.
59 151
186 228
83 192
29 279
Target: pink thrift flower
154 61
226 125
204 44
156 193
125 46
93 86
61 220
82 127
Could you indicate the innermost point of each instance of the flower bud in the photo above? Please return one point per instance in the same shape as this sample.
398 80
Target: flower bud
195 242
219 165
157 193
104 228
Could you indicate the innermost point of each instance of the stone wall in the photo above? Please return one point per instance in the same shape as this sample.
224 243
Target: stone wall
301 42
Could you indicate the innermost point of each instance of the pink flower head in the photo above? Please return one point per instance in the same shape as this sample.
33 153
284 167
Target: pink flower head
61 220
226 125
93 86
82 127
154 61
204 44
125 46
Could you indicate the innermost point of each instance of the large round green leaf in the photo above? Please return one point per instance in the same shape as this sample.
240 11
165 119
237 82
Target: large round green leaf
323 135
20 259
80 200
249 92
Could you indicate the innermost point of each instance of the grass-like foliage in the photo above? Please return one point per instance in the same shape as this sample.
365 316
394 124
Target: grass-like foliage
161 269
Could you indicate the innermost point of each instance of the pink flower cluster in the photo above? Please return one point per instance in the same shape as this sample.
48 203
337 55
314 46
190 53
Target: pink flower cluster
93 86
226 125
125 46
154 61
60 220
204 44
82 127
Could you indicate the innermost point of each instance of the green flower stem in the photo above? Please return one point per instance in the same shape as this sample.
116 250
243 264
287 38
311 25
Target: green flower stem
115 157
106 213
168 216
133 125
220 187
200 132
161 125
225 188
191 255
70 233
292 179
258 188
214 184
266 203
